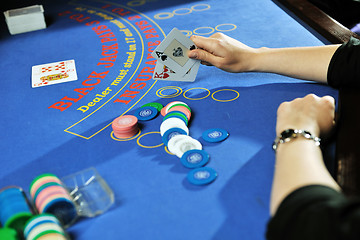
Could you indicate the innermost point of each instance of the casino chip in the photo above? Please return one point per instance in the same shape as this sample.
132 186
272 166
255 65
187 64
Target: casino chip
195 158
146 113
156 105
202 176
44 226
180 144
163 111
215 135
172 132
173 123
182 109
177 114
178 104
170 104
125 126
173 141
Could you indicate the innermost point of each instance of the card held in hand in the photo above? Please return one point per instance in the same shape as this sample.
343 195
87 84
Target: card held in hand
162 72
53 73
172 52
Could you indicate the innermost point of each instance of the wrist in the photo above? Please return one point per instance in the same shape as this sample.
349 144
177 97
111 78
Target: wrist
256 60
313 129
289 135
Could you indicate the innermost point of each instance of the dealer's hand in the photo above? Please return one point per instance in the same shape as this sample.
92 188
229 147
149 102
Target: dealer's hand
223 52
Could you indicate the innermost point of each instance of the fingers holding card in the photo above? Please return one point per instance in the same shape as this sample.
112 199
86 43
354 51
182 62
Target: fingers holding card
173 63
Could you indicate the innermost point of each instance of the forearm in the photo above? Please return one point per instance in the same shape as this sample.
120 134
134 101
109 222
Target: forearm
298 163
309 63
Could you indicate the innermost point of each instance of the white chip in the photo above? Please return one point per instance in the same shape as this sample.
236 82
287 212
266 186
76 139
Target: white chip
173 123
173 142
182 144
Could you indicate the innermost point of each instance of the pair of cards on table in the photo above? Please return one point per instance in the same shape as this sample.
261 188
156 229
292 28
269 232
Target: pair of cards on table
53 73
173 64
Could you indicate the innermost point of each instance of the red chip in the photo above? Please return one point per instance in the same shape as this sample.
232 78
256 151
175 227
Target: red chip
124 123
163 111
126 134
182 109
125 126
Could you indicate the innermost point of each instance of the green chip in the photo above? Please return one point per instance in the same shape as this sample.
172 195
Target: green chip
18 221
8 234
41 176
180 104
177 114
48 232
156 105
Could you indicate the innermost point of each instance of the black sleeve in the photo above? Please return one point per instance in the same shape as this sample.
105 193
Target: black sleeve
315 213
344 67
344 11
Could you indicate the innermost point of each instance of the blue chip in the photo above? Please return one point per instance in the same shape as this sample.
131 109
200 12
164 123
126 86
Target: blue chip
146 113
202 176
63 209
215 135
195 158
171 133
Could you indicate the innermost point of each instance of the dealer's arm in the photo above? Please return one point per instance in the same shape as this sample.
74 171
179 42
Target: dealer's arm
228 54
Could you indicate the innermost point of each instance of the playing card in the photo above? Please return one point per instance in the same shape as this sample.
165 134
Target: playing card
172 52
53 73
162 72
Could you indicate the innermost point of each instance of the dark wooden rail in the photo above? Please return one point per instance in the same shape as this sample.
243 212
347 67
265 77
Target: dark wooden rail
348 126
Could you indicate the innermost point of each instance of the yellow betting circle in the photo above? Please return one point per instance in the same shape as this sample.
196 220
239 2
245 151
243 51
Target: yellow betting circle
186 32
196 98
167 15
136 3
159 92
197 29
207 6
167 150
175 12
138 141
237 95
123 139
225 24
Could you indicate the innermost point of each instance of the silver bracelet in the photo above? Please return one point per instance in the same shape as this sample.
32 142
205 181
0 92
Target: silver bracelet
289 134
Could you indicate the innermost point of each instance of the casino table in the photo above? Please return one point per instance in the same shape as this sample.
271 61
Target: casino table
66 128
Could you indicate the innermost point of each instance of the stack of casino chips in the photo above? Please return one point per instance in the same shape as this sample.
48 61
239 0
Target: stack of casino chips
15 209
125 126
44 227
175 134
50 196
174 128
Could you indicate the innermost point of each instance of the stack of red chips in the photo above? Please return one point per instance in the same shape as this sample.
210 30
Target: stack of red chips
125 126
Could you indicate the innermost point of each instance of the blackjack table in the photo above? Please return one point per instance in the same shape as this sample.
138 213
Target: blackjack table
67 127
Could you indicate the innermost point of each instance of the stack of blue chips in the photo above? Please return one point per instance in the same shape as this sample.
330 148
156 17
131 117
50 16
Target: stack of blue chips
14 208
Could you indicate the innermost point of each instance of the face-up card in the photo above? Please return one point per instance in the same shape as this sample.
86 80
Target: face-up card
162 72
172 52
53 73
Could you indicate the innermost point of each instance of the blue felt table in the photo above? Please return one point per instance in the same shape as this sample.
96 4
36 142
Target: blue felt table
46 129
